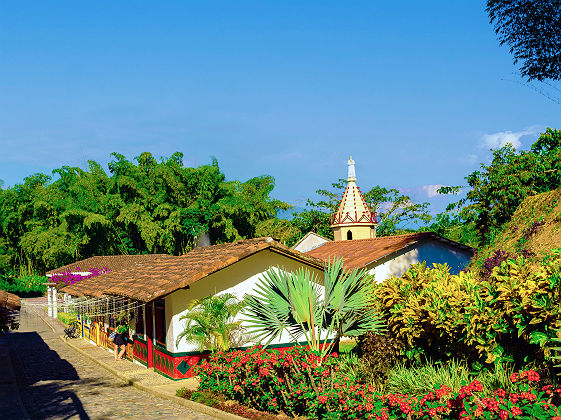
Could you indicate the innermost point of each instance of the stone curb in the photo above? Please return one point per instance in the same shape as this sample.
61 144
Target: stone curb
201 408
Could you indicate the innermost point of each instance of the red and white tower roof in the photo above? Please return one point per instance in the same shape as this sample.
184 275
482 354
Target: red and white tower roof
353 209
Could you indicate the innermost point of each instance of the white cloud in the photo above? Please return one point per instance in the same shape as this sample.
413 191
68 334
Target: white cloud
431 190
498 140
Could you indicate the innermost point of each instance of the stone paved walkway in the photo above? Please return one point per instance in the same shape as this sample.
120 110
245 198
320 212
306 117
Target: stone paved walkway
56 382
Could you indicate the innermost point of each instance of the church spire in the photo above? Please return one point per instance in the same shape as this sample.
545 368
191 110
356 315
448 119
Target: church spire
353 219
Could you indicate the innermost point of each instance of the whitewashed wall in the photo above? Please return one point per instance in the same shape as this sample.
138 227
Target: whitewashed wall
431 251
239 279
309 242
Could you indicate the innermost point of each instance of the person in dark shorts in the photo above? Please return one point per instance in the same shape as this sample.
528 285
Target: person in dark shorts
120 341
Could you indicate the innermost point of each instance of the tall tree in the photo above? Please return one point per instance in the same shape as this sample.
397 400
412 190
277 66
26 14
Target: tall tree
141 206
498 188
532 30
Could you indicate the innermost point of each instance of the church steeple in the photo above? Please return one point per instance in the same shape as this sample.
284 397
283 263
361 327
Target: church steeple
353 219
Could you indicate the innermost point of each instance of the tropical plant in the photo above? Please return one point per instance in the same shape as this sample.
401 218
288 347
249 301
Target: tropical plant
510 316
210 323
419 380
141 206
295 303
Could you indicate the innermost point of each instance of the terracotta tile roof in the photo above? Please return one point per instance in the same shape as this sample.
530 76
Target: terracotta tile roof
9 300
150 279
113 262
360 252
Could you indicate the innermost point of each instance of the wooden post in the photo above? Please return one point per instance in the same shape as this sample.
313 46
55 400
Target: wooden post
149 333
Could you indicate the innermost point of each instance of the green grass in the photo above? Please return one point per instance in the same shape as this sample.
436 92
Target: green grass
420 380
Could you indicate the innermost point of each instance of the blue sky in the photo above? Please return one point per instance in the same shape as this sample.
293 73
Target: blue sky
415 91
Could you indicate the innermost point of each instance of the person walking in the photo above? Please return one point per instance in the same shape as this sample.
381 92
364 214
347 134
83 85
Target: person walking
120 341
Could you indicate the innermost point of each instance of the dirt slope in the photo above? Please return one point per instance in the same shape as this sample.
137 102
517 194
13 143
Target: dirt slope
533 231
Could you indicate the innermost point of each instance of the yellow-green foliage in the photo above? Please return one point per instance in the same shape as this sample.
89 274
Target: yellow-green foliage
509 317
67 318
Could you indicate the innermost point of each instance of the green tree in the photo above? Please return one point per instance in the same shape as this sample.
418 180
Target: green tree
141 206
498 188
295 303
210 323
532 30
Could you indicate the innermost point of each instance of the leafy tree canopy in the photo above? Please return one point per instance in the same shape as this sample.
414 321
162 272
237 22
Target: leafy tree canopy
497 189
141 206
532 30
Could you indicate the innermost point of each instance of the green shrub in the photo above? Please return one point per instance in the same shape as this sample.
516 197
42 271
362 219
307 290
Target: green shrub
420 380
510 317
379 351
7 320
25 286
67 318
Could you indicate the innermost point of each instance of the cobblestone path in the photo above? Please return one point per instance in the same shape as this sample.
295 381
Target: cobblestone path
58 383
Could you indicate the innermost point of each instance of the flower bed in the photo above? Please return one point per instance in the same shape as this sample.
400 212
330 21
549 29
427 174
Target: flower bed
299 383
221 403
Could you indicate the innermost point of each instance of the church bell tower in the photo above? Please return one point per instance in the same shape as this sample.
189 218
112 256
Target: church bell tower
353 219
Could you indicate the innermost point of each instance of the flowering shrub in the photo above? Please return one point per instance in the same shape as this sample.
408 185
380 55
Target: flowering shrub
298 382
67 278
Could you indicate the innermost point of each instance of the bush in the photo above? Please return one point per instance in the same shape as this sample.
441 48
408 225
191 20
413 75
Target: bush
67 318
8 320
510 317
378 353
26 286
298 382
420 380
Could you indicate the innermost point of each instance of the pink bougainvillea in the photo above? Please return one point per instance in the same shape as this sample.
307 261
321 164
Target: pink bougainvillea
70 277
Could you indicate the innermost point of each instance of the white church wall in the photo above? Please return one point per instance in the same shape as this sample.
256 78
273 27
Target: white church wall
309 242
239 279
431 251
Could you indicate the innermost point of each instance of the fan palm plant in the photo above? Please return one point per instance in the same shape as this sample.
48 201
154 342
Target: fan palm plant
296 303
210 322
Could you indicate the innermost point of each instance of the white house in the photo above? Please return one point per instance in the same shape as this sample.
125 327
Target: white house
160 289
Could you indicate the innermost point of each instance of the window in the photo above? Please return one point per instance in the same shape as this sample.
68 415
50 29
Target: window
160 314
349 235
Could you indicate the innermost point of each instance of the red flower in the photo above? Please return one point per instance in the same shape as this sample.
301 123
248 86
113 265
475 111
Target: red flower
533 375
322 399
501 393
263 372
515 411
514 377
503 414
